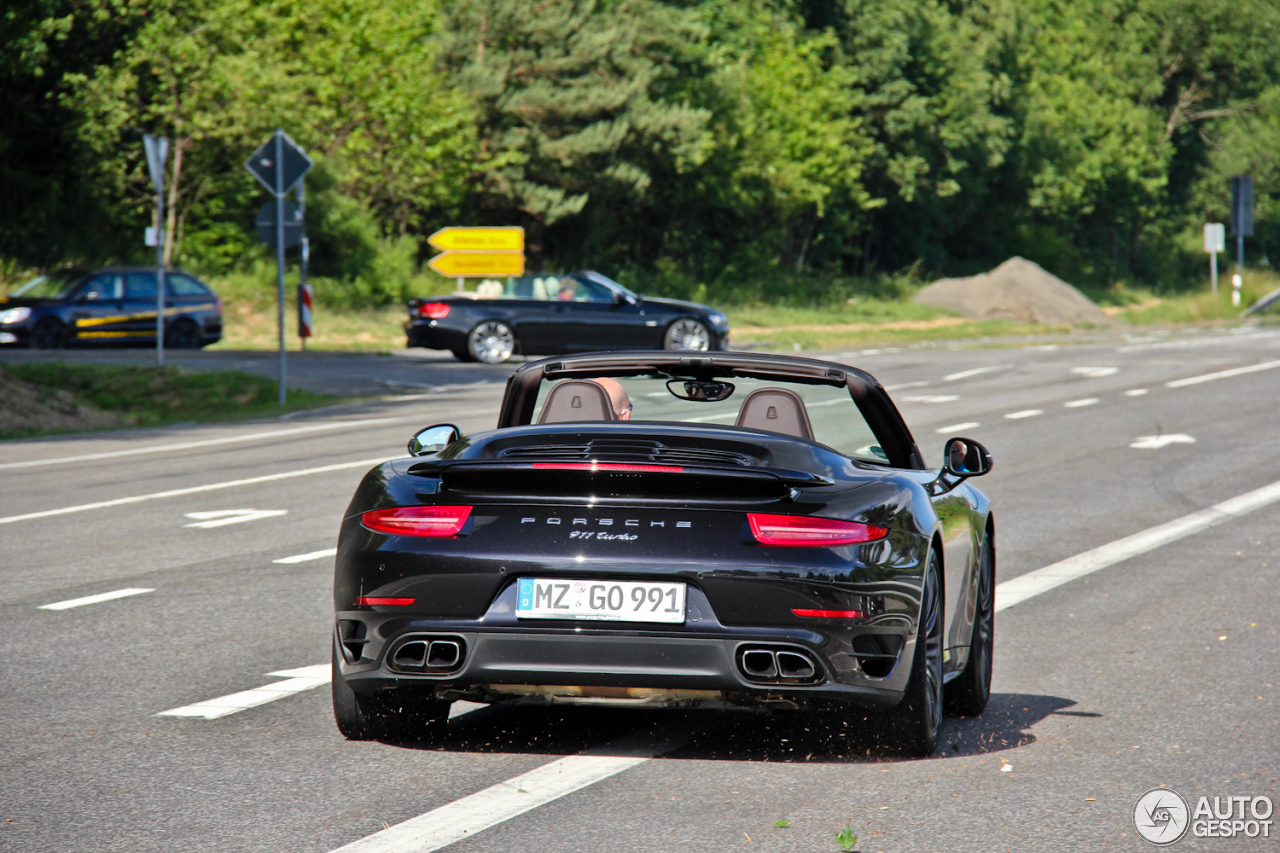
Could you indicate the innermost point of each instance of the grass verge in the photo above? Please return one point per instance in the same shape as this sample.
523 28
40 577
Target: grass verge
84 396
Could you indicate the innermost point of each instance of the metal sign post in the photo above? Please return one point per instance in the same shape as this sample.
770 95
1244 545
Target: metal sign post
279 164
1215 241
157 148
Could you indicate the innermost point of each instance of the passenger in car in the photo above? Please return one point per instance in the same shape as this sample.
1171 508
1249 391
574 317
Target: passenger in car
619 399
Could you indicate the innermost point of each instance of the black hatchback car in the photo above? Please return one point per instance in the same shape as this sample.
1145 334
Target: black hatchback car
116 305
552 313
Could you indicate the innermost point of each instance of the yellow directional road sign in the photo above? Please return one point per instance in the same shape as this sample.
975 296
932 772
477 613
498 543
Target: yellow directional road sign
478 263
478 239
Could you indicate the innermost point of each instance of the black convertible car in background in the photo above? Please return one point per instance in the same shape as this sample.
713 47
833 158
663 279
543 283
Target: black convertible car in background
671 530
559 313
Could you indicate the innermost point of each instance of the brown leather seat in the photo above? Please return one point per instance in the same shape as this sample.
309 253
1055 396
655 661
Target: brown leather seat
776 410
577 400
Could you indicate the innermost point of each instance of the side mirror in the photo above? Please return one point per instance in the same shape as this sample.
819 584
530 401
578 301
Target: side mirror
964 457
433 439
625 298
88 296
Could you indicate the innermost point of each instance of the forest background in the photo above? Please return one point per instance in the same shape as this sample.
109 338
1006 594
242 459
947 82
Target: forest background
785 151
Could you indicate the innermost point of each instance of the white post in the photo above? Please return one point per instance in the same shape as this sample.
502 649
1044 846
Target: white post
1213 271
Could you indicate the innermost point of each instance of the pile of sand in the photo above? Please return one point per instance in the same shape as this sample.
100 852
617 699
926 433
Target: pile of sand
1016 290
25 407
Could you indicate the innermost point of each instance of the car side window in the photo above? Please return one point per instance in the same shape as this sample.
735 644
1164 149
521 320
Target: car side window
590 291
178 284
101 288
140 285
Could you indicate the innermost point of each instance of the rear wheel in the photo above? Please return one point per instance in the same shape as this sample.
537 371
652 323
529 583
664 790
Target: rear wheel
182 334
968 694
687 334
914 724
390 717
491 342
49 333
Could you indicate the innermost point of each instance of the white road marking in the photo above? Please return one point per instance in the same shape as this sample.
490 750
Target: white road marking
193 490
298 680
1078 404
958 427
1155 442
1222 374
93 599
211 442
306 558
1095 372
499 803
1025 413
1136 392
1052 576
223 517
932 398
977 371
905 385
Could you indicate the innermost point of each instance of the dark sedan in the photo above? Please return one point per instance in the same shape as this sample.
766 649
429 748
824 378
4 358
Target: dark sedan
109 306
554 313
670 530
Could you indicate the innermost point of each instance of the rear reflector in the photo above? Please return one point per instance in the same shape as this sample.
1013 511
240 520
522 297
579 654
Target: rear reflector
435 521
607 466
433 310
371 601
800 531
829 614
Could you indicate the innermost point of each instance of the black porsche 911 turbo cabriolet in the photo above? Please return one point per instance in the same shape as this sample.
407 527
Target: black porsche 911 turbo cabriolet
670 530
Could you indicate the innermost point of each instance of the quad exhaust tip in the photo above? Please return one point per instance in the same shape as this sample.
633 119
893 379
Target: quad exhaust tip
773 665
430 655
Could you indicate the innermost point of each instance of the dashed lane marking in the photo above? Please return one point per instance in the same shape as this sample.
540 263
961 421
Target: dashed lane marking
931 398
193 490
1079 404
1025 413
1042 580
1222 374
94 599
222 517
499 803
297 680
904 386
977 371
1136 392
306 558
210 442
1095 372
958 427
1155 442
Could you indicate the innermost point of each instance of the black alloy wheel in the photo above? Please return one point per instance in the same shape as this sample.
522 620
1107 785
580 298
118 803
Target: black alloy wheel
687 334
182 334
915 722
491 342
49 333
968 694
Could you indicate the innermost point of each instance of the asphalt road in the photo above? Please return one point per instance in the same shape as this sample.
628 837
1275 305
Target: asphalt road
1157 669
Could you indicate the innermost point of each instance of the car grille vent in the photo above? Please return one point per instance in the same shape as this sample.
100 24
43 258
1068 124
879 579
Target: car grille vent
352 635
628 450
877 654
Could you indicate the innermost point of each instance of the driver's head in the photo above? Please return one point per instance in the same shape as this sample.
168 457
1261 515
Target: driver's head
618 397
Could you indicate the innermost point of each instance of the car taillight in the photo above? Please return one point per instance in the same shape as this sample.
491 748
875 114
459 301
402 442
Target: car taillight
607 466
800 531
434 521
829 614
433 310
374 601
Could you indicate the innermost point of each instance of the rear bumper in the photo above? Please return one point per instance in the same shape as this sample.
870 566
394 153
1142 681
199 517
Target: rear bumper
431 335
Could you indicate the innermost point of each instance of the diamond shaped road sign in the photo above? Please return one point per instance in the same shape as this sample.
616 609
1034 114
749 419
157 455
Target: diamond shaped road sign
280 177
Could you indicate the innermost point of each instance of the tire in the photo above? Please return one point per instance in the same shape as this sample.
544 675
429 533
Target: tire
687 334
491 342
182 334
49 333
913 727
391 717
461 355
968 694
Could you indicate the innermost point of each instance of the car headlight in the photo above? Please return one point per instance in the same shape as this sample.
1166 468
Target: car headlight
14 315
718 320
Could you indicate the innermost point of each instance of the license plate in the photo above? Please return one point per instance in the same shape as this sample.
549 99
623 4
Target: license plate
613 601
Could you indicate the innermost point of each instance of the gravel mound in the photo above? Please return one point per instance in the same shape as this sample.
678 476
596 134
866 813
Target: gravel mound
26 408
1017 290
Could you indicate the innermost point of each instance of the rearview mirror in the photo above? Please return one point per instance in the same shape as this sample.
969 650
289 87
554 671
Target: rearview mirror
964 457
700 390
433 439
